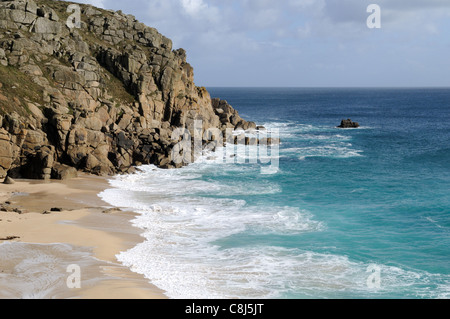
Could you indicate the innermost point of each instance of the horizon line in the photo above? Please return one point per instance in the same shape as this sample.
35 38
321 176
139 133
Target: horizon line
329 87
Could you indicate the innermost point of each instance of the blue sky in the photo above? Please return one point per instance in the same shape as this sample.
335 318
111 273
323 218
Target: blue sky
304 43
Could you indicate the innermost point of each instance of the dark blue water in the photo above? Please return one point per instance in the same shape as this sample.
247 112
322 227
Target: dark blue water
383 191
359 213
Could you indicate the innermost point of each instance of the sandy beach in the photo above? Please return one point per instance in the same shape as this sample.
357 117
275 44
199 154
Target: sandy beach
46 227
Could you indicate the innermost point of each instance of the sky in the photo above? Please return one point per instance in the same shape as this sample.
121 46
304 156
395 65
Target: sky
303 43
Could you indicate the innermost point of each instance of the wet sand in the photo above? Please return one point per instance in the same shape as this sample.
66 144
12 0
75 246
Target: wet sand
38 246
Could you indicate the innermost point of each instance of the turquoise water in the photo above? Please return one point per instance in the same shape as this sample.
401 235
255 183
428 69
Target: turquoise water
343 202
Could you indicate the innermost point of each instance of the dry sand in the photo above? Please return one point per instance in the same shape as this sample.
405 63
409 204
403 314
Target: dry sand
36 249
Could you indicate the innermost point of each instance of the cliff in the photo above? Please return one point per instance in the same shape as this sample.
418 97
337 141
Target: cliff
101 97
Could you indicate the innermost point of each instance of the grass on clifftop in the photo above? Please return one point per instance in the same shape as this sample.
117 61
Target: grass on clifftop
16 89
59 6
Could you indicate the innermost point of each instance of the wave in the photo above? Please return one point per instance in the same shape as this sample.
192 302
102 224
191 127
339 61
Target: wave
217 231
292 129
289 129
273 272
319 137
39 271
313 141
182 224
184 217
330 151
201 245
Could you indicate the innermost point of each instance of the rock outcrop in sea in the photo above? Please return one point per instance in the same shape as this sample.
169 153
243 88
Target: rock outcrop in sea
348 124
102 97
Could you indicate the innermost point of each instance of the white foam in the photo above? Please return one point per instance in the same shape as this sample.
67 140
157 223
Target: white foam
319 137
39 271
332 151
181 228
315 141
187 219
269 272
182 255
291 129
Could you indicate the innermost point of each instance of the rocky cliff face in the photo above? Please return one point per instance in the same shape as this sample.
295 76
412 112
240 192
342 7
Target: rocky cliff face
101 98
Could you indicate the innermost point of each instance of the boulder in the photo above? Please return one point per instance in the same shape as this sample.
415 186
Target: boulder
6 154
63 172
125 121
93 123
8 181
44 25
36 111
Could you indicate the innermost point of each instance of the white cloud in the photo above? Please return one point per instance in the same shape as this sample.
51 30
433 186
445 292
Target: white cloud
98 3
194 7
280 41
95 3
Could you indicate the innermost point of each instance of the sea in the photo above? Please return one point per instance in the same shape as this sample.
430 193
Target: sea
347 213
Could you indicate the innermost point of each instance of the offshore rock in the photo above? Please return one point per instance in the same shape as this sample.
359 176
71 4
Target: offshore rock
348 124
